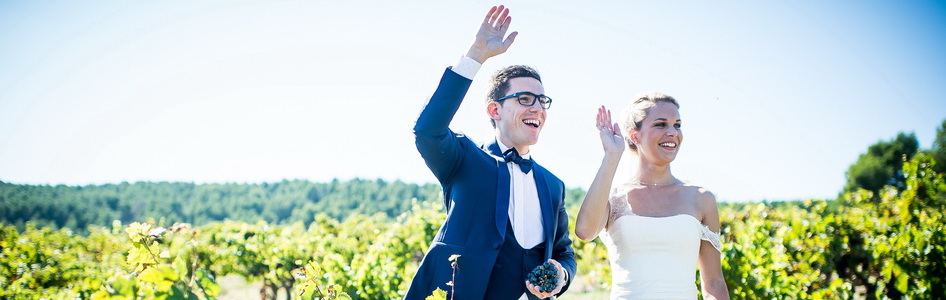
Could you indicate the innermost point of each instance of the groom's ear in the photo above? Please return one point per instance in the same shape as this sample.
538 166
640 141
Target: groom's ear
492 109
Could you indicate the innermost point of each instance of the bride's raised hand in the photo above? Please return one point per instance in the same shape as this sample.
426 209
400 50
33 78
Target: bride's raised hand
611 138
593 214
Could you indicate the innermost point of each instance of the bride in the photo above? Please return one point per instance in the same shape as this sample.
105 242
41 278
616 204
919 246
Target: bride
657 228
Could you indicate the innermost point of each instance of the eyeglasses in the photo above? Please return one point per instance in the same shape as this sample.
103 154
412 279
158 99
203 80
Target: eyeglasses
528 99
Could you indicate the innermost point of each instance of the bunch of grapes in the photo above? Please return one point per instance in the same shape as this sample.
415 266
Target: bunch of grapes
545 277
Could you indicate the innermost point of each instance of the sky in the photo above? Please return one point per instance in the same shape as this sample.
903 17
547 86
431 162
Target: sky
778 98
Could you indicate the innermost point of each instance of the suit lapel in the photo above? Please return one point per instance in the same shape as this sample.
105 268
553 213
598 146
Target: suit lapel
548 210
502 189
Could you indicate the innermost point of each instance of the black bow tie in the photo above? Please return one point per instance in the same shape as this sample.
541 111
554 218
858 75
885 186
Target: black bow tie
525 164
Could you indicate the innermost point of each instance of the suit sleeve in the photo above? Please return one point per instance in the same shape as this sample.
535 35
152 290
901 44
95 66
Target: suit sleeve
437 144
562 251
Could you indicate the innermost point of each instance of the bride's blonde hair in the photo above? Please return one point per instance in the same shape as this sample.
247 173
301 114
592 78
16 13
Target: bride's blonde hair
637 111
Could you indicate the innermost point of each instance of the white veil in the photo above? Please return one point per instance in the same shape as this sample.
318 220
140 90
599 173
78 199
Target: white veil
630 162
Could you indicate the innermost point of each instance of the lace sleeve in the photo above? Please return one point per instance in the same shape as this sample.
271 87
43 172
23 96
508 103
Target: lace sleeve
619 206
713 237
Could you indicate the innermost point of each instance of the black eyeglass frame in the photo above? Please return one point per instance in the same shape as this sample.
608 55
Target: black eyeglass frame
544 101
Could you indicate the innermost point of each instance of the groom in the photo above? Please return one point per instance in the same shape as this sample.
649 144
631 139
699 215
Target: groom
505 213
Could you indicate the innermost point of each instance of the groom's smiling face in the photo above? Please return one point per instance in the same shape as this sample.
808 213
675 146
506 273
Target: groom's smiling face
519 125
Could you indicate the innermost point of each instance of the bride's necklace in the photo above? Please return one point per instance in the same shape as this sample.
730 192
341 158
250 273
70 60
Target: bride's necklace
648 184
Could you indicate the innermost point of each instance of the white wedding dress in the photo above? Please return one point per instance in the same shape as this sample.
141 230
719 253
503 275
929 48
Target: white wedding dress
653 257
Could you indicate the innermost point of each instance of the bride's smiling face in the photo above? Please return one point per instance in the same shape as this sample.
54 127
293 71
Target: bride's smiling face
660 135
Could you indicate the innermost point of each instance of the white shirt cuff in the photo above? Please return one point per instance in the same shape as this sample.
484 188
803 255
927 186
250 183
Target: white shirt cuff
467 67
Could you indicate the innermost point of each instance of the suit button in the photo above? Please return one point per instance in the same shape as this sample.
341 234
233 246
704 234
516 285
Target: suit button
496 245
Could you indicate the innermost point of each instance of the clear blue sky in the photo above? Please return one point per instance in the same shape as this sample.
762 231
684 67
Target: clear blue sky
778 97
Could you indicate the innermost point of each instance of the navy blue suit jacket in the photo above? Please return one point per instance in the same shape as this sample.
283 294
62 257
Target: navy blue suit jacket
475 182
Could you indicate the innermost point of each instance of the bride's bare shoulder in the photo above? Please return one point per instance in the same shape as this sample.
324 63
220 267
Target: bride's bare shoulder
624 190
704 198
698 191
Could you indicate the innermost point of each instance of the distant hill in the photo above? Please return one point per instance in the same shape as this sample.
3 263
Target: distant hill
287 201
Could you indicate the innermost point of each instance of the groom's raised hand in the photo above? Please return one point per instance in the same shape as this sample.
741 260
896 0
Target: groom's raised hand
491 39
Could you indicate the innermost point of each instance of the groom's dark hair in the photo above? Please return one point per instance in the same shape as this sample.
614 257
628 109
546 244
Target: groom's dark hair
499 84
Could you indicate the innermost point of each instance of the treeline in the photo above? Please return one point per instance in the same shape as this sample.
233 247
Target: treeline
285 202
290 201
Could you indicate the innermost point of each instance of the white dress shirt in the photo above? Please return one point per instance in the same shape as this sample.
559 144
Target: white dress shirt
525 214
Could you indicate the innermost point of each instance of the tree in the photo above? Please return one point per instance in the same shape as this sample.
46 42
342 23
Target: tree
882 164
938 152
